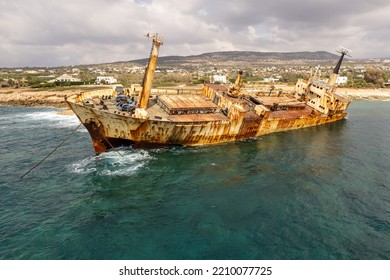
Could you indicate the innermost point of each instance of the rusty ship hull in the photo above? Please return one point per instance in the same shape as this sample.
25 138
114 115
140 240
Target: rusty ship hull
212 115
113 128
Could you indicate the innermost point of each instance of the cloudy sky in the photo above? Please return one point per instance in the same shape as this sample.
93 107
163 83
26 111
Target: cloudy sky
73 32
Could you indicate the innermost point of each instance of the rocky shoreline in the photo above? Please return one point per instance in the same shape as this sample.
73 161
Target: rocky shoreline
29 98
33 103
19 97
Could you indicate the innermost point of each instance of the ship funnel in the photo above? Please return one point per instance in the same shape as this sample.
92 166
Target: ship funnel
336 70
143 98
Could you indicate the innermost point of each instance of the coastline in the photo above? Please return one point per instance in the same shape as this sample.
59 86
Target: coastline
365 94
29 98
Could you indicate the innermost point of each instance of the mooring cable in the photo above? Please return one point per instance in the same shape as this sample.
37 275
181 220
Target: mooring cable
113 147
39 163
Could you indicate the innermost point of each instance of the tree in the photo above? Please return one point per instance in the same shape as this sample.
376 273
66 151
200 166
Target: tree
11 82
375 76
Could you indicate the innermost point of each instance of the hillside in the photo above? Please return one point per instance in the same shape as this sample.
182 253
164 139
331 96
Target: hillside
241 56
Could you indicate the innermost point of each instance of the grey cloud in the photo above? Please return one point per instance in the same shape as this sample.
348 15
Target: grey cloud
51 33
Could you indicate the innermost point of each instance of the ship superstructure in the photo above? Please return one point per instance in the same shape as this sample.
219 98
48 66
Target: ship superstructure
321 94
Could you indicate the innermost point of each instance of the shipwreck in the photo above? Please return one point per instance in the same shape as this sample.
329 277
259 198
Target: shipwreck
215 114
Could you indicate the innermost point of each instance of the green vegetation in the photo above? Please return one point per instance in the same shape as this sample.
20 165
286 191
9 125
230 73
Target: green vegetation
355 83
127 79
199 81
56 84
361 74
87 77
171 79
291 78
374 76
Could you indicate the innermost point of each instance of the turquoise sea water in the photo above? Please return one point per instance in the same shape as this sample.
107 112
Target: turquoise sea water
316 193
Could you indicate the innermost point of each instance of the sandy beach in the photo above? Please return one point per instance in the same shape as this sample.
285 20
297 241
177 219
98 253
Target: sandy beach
365 94
52 98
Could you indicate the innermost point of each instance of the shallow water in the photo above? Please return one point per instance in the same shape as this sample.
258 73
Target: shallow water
315 193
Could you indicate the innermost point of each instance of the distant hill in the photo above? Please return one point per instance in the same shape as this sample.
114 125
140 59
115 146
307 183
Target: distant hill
241 56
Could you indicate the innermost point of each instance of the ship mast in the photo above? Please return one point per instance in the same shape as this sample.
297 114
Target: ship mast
143 98
336 70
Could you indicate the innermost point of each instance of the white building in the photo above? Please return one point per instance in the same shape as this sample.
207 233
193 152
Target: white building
270 80
341 80
106 80
65 78
218 79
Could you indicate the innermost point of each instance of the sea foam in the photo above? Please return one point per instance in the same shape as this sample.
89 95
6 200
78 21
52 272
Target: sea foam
118 162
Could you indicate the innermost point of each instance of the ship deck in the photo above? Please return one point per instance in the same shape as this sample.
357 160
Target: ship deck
271 100
196 108
186 102
293 114
157 113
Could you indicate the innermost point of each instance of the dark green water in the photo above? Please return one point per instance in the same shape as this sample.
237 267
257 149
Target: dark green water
316 193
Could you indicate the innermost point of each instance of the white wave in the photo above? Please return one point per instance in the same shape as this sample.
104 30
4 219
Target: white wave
112 163
47 118
53 118
81 167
